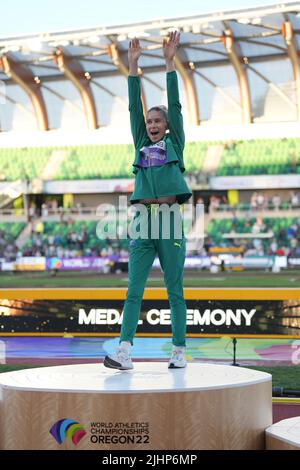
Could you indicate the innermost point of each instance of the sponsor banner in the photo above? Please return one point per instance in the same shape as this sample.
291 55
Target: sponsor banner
96 263
281 262
197 262
226 249
101 264
251 262
255 182
261 262
30 263
248 235
105 316
7 265
27 263
89 186
293 262
191 262
72 264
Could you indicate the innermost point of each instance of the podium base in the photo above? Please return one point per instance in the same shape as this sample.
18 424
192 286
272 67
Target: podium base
86 406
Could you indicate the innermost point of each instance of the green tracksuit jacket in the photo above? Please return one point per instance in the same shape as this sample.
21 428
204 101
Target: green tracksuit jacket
165 180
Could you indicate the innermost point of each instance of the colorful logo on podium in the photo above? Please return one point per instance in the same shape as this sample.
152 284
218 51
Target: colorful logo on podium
67 428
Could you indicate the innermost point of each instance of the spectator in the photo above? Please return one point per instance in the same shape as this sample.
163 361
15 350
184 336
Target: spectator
51 239
214 203
274 246
39 228
257 227
260 201
82 237
45 211
294 243
61 211
291 231
253 201
31 211
276 201
54 205
294 199
58 239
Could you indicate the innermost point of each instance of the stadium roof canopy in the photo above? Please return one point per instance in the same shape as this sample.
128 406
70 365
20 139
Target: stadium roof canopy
249 58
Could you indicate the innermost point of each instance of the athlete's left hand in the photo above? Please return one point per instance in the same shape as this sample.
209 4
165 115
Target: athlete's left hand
170 45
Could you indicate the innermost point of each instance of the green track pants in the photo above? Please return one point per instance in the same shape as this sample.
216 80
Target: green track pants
171 254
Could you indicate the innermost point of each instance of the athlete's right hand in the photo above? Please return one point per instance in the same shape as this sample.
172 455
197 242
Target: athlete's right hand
134 50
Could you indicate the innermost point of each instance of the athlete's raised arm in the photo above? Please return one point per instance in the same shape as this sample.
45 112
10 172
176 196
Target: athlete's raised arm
137 120
174 107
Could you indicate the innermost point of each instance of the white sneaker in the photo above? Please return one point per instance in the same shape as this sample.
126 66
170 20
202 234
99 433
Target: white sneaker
121 359
177 359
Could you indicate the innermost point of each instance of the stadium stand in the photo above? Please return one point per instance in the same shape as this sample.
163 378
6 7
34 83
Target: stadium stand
260 157
283 230
74 237
77 238
253 157
83 162
22 163
9 232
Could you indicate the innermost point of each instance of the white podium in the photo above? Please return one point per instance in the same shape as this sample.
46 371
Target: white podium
284 435
86 406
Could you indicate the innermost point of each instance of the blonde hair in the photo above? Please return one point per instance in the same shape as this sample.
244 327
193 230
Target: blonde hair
161 109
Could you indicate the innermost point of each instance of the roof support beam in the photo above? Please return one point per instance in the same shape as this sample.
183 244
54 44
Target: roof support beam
235 57
114 54
81 80
30 84
259 59
293 53
190 89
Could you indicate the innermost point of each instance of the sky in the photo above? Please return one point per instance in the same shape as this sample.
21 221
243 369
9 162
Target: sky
20 17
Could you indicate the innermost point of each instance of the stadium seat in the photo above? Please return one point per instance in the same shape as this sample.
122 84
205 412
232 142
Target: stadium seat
241 158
